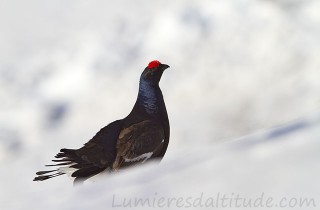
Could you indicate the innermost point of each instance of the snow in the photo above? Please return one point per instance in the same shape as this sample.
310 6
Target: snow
238 68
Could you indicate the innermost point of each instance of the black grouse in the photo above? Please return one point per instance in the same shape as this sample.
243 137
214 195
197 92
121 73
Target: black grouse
141 136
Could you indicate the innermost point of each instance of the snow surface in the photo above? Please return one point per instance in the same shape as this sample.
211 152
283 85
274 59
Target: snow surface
68 68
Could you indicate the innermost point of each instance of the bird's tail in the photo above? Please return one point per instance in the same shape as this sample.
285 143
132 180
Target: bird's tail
70 163
44 175
65 160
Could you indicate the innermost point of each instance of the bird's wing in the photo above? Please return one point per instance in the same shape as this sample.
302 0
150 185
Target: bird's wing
95 156
139 142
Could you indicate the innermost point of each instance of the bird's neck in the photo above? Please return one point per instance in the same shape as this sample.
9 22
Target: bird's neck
149 97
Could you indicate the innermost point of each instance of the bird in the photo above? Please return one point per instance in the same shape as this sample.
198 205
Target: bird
141 136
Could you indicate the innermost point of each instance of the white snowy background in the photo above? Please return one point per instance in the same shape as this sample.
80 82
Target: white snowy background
238 67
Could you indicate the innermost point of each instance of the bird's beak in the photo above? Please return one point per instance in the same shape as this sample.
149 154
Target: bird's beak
164 66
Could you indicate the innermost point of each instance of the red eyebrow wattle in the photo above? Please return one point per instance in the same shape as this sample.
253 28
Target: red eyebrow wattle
154 64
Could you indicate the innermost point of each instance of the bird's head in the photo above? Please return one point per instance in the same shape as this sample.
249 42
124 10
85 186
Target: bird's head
153 72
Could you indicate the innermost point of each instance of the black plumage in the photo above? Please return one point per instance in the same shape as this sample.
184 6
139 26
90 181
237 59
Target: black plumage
141 136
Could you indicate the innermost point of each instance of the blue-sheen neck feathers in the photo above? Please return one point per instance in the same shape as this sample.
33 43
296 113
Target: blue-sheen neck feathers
149 96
